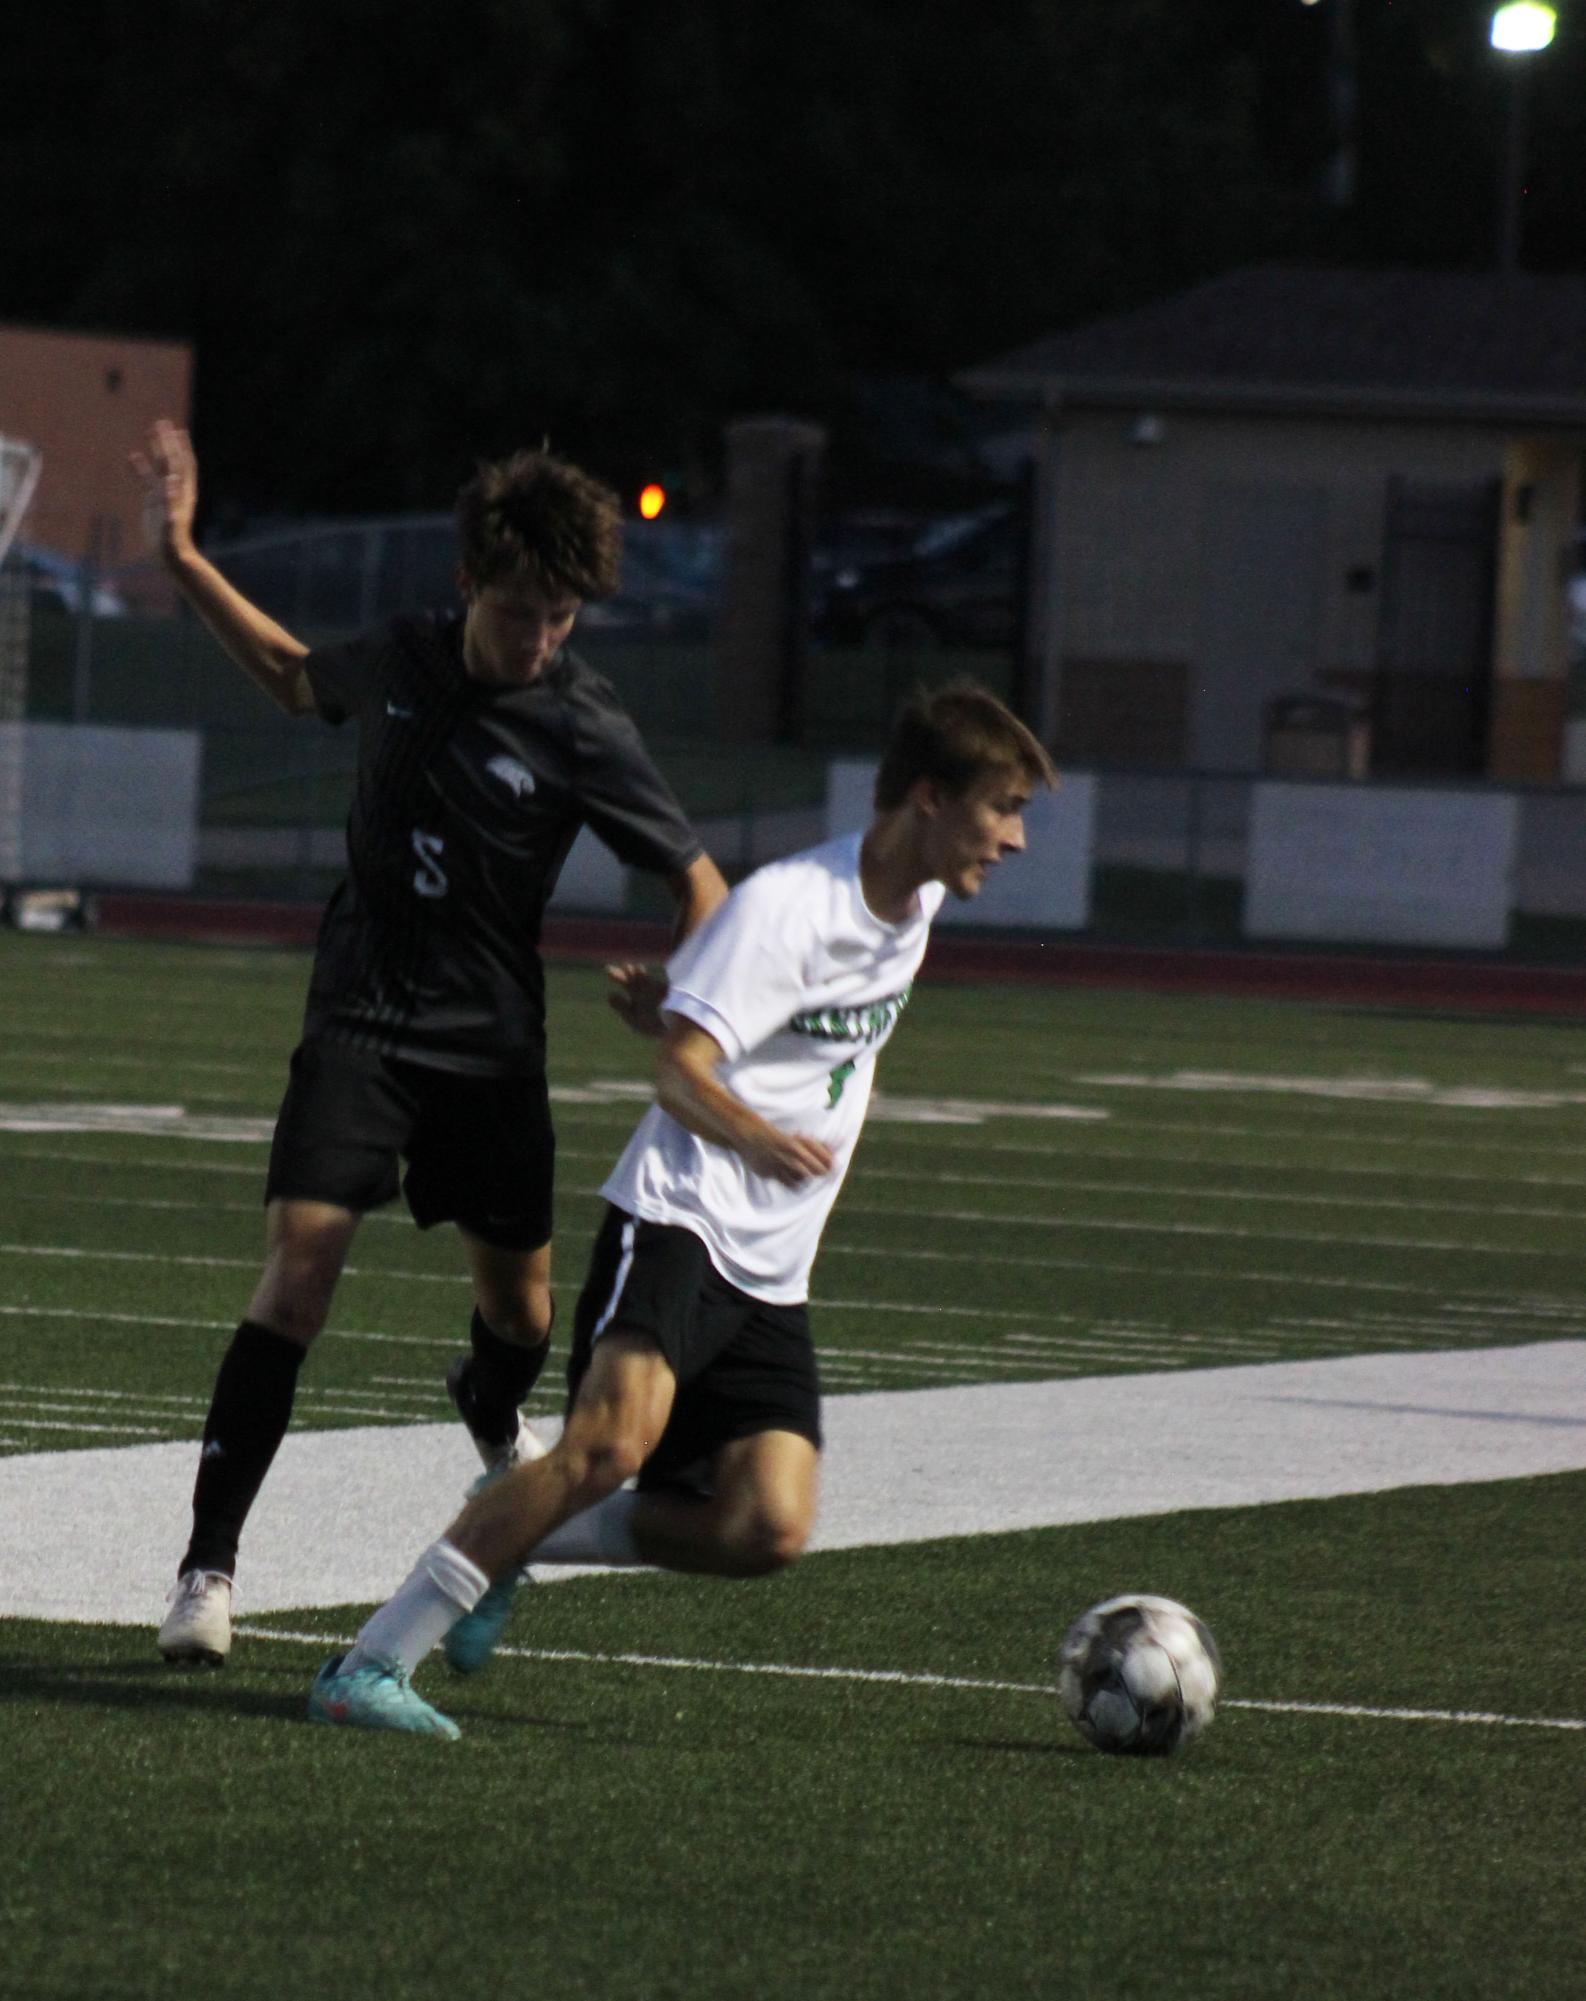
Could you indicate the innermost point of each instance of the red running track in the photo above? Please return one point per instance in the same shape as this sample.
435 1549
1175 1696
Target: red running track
1325 976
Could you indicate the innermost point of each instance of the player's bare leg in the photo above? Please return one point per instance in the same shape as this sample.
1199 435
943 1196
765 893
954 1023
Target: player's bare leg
305 1248
620 1412
758 1519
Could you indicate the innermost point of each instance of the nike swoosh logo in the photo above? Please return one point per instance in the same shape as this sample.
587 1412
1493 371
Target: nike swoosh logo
402 715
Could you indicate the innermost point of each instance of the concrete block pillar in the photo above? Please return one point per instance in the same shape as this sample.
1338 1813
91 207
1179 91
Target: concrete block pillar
774 468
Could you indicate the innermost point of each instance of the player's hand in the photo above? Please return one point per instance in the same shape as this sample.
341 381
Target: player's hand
791 1158
169 473
636 993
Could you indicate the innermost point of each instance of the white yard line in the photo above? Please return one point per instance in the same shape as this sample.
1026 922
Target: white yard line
93 1534
1114 1267
867 1170
438 1341
904 1678
1243 1233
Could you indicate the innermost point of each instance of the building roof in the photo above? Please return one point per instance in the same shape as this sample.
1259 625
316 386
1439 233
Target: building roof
1481 345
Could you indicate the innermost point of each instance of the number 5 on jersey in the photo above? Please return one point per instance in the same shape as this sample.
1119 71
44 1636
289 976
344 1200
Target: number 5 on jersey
429 878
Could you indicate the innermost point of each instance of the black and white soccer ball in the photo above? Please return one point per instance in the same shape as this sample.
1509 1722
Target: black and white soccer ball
1139 1675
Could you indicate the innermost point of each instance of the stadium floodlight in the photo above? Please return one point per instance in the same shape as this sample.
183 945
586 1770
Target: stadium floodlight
1518 29
1523 27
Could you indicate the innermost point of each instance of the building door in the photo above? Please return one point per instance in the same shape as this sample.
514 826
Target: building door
1263 550
1432 689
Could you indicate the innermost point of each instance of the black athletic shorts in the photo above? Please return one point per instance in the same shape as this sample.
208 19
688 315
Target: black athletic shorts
479 1150
742 1365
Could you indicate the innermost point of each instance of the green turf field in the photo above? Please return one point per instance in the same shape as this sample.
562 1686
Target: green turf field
1223 1182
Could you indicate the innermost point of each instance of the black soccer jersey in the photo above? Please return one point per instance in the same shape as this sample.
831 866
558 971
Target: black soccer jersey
469 797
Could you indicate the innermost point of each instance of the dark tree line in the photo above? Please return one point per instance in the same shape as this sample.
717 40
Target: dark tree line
401 234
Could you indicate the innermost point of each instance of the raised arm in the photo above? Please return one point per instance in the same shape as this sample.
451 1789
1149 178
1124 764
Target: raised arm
688 1088
266 652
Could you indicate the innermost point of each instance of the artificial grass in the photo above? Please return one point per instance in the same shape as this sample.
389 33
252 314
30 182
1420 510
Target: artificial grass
612 1830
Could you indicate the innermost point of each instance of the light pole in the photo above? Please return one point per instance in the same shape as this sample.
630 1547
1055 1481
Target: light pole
1338 176
1518 30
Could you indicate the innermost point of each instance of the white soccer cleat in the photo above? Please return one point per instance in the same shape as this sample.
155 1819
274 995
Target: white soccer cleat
197 1629
497 1459
524 1447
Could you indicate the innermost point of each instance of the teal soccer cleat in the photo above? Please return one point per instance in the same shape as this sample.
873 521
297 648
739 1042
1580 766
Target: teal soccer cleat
373 1698
477 1634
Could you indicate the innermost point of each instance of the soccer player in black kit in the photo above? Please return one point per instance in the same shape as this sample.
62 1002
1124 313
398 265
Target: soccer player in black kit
483 746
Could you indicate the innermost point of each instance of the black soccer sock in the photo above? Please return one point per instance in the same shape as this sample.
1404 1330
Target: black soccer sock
248 1416
499 1376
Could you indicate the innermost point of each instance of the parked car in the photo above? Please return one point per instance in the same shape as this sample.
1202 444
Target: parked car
345 574
954 584
671 573
57 584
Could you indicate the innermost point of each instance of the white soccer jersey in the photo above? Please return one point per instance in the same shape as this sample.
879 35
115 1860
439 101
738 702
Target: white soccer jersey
801 984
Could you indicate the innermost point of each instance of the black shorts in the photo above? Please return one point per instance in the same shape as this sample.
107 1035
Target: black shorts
742 1365
480 1150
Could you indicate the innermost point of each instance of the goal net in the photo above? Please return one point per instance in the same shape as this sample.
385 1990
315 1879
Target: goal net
20 465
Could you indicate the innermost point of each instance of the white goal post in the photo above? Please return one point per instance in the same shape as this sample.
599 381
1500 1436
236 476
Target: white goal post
20 466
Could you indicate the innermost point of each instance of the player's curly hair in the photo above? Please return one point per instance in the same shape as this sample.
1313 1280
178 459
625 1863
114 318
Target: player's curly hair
954 736
534 515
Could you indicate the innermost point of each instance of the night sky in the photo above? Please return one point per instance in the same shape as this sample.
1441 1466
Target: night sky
401 235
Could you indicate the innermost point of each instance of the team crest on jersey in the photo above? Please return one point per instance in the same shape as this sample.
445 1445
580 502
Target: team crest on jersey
869 1023
517 778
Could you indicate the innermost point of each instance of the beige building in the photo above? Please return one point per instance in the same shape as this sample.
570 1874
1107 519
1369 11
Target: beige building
86 400
1363 485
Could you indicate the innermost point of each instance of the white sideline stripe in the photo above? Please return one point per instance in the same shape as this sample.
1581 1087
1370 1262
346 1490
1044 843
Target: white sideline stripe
1203 1196
214 1326
1128 1226
90 1254
74 1060
912 1212
904 1678
1475 1296
1487 1716
89 1533
1297 1199
174 1122
78 1425
1416 1091
1124 1157
1146 1153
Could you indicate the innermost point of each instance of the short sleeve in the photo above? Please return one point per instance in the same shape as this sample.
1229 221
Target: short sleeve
346 676
626 801
741 975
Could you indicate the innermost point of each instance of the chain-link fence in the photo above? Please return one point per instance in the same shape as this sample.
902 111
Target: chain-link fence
1171 847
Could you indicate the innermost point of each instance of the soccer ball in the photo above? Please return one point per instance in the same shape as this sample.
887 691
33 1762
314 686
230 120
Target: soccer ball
1139 1675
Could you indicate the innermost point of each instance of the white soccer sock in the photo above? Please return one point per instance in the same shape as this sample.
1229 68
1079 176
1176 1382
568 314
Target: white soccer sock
601 1534
439 1589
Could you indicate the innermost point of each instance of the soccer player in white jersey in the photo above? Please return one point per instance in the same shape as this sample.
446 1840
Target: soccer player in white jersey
693 1374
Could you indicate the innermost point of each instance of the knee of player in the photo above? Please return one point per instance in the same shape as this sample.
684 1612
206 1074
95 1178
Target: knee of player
604 1462
296 1314
525 1318
773 1542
